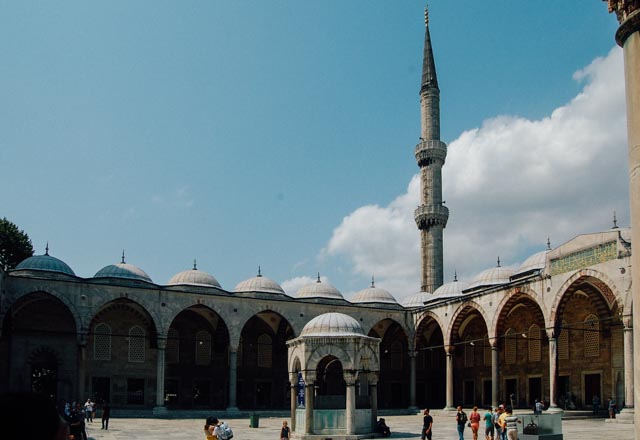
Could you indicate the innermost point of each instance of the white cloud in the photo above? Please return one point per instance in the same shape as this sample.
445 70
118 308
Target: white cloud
509 185
291 286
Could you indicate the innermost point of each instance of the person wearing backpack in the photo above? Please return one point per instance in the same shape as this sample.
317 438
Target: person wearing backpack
225 432
461 420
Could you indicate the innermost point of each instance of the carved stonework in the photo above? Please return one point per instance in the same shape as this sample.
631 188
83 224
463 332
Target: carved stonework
623 8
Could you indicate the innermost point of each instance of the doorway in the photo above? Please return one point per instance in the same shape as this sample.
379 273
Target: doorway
469 393
535 390
591 388
511 391
101 389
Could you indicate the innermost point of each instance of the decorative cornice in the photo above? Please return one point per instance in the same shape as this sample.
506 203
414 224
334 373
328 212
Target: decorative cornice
628 14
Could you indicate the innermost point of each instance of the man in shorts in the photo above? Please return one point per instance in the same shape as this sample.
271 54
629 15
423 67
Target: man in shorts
488 424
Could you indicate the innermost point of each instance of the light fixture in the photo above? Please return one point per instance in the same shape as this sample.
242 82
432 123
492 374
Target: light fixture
524 335
472 343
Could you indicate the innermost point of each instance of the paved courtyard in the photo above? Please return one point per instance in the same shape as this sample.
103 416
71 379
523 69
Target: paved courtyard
403 427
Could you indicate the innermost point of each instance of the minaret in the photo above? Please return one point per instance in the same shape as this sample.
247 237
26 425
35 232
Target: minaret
431 216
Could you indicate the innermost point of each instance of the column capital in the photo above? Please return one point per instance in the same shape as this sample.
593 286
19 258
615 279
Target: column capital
309 377
350 377
161 341
449 349
373 378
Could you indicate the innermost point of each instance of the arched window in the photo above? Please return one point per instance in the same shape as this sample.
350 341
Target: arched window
510 346
468 352
487 351
102 342
203 348
591 336
265 351
136 344
396 355
534 342
172 352
563 342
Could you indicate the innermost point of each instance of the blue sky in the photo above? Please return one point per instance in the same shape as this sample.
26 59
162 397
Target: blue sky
278 133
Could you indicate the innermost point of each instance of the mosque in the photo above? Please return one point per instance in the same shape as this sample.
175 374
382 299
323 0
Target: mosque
558 328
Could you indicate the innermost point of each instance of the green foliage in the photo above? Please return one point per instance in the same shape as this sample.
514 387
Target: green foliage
15 245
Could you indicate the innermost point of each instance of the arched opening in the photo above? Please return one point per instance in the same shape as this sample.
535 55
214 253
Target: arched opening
330 384
44 373
263 381
393 387
430 365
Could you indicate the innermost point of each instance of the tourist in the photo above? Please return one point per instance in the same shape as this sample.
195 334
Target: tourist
512 424
503 424
77 426
595 403
496 422
474 422
88 410
106 413
461 420
537 407
284 431
427 425
612 408
382 428
488 424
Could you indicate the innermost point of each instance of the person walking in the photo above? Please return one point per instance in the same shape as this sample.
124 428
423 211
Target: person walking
612 408
512 424
106 413
284 431
88 410
461 420
427 425
503 424
474 419
595 403
488 424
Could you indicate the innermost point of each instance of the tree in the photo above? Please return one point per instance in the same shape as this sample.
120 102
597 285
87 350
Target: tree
15 245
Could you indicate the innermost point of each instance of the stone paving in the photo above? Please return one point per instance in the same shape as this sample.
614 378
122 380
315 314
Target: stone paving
402 427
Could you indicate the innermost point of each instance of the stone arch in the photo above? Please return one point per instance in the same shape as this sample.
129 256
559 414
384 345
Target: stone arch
421 318
348 362
455 323
509 300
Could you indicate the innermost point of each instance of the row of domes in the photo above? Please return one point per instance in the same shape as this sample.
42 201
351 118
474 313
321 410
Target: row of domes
194 277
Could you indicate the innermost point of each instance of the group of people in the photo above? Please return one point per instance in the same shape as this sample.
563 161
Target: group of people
215 429
500 424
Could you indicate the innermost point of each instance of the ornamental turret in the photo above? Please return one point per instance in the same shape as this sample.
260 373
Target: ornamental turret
431 216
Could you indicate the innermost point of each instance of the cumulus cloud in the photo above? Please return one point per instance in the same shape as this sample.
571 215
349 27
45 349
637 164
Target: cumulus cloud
509 185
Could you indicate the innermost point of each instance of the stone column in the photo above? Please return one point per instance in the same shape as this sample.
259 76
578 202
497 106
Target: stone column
412 381
160 408
628 410
309 397
233 380
494 373
628 37
350 379
373 398
293 381
82 339
553 372
449 349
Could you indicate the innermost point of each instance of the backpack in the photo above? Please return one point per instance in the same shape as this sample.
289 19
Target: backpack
227 433
463 418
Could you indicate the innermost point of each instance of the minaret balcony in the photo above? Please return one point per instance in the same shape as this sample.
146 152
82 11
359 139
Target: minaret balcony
430 152
427 216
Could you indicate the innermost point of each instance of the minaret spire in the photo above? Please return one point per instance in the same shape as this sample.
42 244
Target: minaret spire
431 216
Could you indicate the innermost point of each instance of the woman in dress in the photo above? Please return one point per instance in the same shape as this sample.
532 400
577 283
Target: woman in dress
474 422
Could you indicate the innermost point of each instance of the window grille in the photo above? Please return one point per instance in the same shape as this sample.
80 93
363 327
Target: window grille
102 342
591 336
172 352
533 340
136 344
563 342
203 348
510 346
265 351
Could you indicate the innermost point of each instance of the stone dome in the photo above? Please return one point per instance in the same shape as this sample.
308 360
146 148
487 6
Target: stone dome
450 290
374 294
417 300
332 324
536 261
194 277
45 263
319 290
123 270
492 277
259 284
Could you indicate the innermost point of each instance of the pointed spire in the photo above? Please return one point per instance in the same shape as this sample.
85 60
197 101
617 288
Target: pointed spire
46 249
195 264
455 276
318 278
259 272
498 261
429 78
615 221
548 244
123 262
373 283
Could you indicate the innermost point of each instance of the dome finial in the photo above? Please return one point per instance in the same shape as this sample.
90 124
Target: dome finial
259 271
373 282
426 15
498 261
615 221
548 244
123 262
195 264
455 276
46 249
318 278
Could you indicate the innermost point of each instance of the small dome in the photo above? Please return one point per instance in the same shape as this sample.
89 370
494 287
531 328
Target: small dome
194 277
417 300
259 284
123 270
319 290
45 263
332 324
450 290
492 277
536 261
374 294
